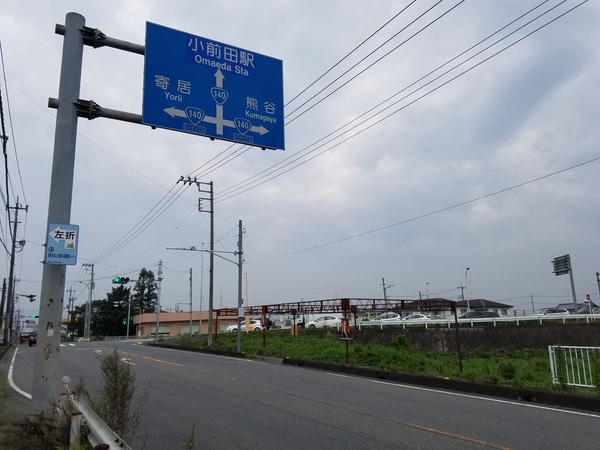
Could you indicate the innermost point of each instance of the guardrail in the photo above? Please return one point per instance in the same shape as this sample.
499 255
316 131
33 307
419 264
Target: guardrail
448 322
575 363
85 421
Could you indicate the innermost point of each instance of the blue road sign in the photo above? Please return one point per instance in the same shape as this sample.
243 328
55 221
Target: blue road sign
200 86
61 244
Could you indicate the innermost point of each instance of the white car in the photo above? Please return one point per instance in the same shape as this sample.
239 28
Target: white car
255 325
551 311
325 321
231 328
388 317
416 316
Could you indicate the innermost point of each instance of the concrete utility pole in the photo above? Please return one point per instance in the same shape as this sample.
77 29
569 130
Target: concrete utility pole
88 305
10 305
190 302
2 315
467 288
240 299
385 288
158 299
211 281
46 383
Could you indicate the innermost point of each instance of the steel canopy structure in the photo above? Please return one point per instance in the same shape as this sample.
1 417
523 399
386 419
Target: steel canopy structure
345 306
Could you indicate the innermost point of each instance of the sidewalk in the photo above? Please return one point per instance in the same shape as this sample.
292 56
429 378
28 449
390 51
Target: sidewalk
12 403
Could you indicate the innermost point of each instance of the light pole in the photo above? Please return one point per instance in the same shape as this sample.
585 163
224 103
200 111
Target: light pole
467 288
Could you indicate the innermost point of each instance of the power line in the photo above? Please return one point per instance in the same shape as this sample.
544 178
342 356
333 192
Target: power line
248 184
431 213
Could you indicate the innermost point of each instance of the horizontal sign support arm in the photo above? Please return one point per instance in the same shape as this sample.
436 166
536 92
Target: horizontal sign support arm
96 38
92 110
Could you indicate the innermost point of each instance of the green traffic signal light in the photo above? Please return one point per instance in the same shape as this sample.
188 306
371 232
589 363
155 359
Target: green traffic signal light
120 280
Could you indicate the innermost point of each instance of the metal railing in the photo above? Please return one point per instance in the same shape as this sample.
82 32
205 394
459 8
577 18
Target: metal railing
449 321
574 366
84 421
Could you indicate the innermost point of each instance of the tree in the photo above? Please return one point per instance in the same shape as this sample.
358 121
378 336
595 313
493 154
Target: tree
145 296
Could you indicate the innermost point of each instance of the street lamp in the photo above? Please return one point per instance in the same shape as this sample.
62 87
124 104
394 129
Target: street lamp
467 288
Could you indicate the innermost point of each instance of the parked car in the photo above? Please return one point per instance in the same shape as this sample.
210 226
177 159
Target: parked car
33 339
416 316
255 325
326 321
478 315
231 328
551 311
388 317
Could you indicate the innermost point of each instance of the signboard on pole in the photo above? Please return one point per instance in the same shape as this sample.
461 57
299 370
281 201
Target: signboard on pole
200 86
562 265
61 244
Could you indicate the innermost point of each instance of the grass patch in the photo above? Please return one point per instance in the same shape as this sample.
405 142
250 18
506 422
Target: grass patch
526 368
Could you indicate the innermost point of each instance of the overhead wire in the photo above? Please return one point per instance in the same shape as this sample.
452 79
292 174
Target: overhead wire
302 155
147 220
373 63
432 213
295 158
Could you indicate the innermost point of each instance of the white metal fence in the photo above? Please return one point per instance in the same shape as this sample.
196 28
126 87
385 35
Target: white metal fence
574 365
449 321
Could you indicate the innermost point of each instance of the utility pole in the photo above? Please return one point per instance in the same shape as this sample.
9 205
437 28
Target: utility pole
88 306
211 282
467 288
385 288
2 314
46 382
158 300
190 302
240 299
10 305
598 281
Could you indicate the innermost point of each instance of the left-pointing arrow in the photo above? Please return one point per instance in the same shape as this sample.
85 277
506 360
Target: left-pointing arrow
172 111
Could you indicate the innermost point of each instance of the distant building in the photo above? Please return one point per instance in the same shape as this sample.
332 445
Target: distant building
582 308
177 323
480 304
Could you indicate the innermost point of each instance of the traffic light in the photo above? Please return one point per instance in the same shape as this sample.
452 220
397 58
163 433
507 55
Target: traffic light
124 321
34 317
120 280
31 297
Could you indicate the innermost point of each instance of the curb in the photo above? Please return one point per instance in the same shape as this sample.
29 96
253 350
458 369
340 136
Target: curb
548 398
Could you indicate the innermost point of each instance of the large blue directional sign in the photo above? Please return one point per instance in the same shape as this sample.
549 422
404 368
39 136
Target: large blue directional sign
201 86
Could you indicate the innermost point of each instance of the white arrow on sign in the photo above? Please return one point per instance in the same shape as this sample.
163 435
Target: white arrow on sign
172 111
69 236
218 121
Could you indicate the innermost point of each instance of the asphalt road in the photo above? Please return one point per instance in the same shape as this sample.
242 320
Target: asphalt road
243 404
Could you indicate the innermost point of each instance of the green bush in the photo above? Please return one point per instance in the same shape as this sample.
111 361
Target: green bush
527 368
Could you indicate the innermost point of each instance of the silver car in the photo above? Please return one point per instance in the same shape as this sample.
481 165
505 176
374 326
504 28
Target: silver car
325 321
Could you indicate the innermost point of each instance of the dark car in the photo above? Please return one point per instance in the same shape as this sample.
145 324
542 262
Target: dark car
32 339
478 315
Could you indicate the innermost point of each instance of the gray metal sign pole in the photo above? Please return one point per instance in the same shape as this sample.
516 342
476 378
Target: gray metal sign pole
46 384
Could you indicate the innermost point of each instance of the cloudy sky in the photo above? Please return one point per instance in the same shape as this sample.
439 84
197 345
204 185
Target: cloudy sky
421 139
